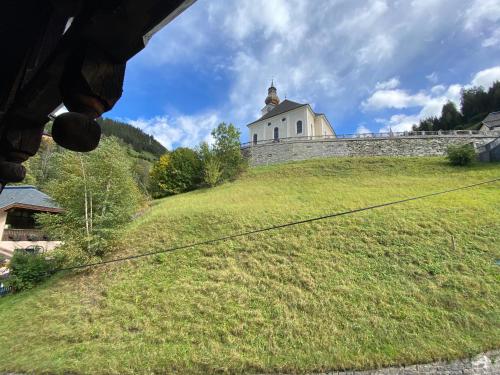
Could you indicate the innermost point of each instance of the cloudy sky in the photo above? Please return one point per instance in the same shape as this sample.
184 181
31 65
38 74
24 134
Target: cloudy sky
369 65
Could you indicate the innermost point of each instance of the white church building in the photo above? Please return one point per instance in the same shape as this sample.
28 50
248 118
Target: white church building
287 119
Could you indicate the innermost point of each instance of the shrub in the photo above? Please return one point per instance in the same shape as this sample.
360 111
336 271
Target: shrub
27 270
460 154
212 172
176 172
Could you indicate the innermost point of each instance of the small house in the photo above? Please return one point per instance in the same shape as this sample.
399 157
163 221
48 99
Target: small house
491 122
18 206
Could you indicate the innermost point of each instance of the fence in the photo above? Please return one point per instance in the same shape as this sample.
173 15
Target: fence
376 135
5 290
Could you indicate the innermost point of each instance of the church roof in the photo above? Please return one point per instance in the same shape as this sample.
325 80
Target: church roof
26 196
285 106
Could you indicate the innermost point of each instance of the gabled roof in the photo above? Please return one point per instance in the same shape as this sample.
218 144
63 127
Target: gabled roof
26 196
492 120
285 106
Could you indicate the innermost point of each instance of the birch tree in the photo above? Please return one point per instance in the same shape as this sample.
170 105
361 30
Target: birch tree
99 195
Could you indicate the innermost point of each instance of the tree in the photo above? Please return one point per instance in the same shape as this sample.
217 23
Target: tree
135 137
450 117
40 168
474 102
158 181
428 124
494 96
99 195
227 150
141 171
176 172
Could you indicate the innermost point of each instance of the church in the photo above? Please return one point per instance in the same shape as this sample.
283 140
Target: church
287 119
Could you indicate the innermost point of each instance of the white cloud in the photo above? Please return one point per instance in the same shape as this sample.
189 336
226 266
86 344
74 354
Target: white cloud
482 11
438 89
388 85
362 129
493 39
433 77
430 103
331 53
185 131
394 99
486 77
399 123
315 50
482 18
378 49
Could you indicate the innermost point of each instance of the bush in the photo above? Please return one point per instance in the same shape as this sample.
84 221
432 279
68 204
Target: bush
460 154
212 172
176 172
27 270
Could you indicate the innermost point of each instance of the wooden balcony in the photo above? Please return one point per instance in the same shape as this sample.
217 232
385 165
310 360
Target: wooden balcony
24 235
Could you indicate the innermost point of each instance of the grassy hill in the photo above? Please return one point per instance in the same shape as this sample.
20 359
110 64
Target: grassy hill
409 283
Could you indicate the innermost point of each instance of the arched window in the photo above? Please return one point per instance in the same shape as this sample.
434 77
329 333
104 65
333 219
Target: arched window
255 139
276 134
299 127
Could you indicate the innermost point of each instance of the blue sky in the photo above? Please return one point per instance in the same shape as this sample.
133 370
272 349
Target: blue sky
368 65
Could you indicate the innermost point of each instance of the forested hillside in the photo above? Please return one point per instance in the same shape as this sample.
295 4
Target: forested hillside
135 137
475 104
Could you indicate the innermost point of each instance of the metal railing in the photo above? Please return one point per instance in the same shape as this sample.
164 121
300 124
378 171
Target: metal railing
420 133
4 290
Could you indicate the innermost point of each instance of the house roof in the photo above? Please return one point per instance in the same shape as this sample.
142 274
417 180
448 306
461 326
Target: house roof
492 120
285 106
26 196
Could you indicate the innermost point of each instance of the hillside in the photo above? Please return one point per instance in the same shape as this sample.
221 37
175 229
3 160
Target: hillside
406 284
140 142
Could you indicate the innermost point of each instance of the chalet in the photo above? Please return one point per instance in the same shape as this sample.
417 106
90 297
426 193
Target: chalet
18 206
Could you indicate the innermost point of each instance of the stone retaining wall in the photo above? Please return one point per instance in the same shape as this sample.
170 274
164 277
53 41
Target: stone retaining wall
280 152
482 364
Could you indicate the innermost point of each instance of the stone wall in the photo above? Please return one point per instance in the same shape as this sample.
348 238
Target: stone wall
297 149
483 364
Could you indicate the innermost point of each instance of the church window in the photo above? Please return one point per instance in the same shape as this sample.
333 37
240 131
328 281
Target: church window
299 127
255 139
276 134
268 124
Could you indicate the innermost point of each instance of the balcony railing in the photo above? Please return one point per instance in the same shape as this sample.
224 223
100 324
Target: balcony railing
24 235
376 135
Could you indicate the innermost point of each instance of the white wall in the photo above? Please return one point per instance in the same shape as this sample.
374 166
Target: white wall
312 125
7 247
287 128
321 126
3 218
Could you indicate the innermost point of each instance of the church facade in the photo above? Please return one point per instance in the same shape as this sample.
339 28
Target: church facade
287 119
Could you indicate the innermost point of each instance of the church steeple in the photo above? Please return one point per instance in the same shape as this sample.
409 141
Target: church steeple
272 96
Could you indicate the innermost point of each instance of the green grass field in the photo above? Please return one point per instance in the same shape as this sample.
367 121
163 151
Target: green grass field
403 284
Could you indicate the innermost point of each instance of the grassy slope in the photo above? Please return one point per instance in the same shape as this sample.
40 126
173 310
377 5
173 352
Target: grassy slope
375 288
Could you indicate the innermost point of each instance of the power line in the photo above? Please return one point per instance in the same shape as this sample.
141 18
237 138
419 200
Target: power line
279 226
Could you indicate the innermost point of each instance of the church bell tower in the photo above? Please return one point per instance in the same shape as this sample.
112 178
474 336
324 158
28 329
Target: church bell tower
272 99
